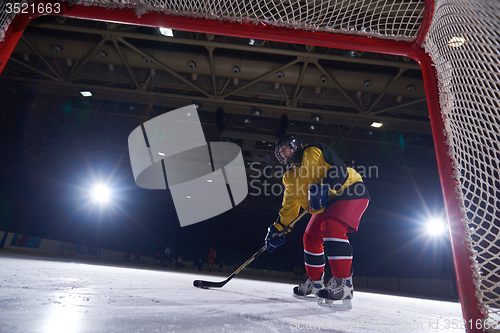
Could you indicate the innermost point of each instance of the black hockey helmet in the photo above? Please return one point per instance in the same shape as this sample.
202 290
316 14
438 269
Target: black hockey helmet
290 140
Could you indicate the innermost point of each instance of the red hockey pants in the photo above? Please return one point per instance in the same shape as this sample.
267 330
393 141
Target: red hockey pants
326 235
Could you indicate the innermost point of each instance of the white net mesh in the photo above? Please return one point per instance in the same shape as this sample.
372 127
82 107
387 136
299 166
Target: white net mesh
6 16
463 42
383 19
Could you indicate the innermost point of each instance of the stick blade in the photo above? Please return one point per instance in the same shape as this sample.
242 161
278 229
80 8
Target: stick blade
335 305
207 284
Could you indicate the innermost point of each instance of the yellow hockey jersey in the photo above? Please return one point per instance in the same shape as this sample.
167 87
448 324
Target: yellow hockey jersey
318 164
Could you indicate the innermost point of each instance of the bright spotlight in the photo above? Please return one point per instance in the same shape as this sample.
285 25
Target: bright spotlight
456 41
167 32
436 227
101 194
86 93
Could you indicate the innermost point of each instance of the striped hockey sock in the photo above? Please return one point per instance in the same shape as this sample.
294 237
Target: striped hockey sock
339 255
314 257
338 250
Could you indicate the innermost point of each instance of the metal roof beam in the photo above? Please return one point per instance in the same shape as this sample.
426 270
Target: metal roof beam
222 45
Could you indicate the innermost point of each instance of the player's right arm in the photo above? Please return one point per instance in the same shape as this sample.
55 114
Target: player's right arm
290 206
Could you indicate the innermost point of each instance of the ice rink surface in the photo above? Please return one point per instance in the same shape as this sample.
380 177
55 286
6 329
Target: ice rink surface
56 295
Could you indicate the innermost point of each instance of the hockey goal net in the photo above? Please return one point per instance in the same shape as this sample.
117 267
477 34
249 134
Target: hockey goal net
457 44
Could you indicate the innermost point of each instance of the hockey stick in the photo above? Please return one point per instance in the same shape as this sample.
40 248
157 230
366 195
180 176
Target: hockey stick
209 284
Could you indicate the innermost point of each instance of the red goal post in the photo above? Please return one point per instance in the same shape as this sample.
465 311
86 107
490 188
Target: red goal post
456 43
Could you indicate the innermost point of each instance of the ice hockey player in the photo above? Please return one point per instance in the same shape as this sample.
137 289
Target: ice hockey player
337 197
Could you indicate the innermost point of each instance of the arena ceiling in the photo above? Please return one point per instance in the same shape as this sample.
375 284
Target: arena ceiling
247 91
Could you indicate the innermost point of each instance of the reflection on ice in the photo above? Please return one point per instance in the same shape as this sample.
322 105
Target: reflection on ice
65 315
39 296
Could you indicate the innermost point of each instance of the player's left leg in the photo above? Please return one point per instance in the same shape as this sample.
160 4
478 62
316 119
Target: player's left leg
338 251
340 218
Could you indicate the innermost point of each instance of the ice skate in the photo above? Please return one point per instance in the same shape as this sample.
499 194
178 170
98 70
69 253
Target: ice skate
337 294
308 290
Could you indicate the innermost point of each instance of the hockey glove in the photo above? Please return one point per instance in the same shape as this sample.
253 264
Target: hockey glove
318 196
272 239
